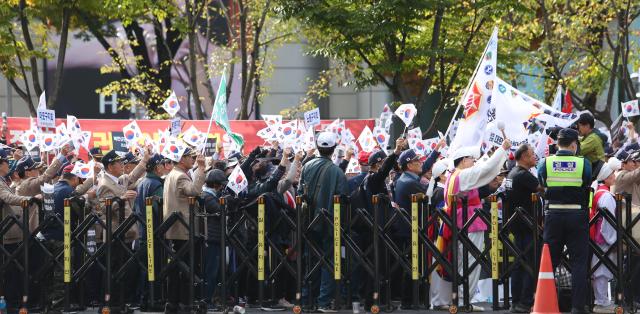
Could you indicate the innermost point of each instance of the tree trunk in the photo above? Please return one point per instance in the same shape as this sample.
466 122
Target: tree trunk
193 75
62 49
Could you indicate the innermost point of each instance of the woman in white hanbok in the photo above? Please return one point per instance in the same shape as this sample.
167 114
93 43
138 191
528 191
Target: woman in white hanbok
604 235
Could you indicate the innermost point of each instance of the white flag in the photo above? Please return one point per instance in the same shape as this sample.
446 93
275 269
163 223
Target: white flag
287 132
381 136
174 149
272 119
73 127
406 113
630 108
237 180
132 132
30 140
366 140
82 140
171 104
414 133
353 166
49 141
83 170
193 137
309 139
475 101
418 146
42 102
557 100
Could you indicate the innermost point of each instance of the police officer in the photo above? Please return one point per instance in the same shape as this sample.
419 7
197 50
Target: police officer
567 179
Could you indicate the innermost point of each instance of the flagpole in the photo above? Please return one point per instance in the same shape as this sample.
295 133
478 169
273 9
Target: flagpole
466 90
224 72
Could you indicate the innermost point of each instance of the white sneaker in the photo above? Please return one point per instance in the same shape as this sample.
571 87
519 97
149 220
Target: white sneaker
284 303
604 309
476 308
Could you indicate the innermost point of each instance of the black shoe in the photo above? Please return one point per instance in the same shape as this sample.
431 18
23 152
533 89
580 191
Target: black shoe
170 308
519 308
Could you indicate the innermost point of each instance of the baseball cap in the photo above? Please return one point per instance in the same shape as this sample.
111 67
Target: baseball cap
189 152
568 133
326 140
216 176
407 156
363 157
155 160
25 163
130 158
4 155
68 168
96 152
377 157
111 157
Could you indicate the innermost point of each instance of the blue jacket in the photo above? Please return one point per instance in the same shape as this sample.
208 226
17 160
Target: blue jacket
151 185
354 182
61 190
408 184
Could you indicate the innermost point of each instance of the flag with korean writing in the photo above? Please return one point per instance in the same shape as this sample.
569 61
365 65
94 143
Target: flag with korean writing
171 104
630 108
406 113
237 180
132 132
83 170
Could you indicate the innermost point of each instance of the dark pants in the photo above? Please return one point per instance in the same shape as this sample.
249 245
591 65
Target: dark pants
401 282
570 228
211 269
323 278
12 284
522 282
55 279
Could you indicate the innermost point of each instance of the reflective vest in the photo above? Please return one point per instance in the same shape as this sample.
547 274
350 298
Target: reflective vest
565 188
564 171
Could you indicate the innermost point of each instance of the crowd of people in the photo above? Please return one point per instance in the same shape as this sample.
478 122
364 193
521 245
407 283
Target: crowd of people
580 159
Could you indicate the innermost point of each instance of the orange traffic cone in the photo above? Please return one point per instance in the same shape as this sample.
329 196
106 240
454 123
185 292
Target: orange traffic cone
546 300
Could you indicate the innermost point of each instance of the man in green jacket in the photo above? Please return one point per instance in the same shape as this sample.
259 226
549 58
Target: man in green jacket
319 182
592 142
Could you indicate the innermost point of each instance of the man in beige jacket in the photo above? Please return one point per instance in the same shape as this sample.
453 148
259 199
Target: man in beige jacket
628 178
13 238
178 187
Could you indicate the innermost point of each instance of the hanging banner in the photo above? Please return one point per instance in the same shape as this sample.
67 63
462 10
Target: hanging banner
107 133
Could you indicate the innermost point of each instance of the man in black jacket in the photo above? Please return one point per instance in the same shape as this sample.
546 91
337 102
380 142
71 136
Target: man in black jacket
215 182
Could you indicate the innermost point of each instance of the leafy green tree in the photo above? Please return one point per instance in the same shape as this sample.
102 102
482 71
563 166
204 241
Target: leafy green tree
415 48
25 28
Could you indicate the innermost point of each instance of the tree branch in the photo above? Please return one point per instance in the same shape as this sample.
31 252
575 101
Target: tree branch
62 49
24 23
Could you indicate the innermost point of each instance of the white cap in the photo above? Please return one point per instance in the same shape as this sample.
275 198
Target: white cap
326 140
608 168
469 151
437 170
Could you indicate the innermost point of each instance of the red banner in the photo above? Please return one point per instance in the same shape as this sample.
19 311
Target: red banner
103 131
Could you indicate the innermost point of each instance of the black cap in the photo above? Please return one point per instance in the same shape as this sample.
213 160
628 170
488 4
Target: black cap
407 156
155 160
216 176
189 152
377 157
130 158
111 157
25 163
4 155
568 133
96 152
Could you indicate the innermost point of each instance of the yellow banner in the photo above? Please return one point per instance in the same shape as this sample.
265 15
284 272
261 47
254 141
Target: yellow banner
261 240
415 273
150 261
336 241
67 242
494 240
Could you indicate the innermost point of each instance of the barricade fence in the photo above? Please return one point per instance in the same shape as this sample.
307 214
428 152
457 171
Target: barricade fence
266 250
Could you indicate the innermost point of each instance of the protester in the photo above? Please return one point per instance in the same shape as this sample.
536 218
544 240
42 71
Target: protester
520 185
604 235
593 142
319 182
467 178
177 189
